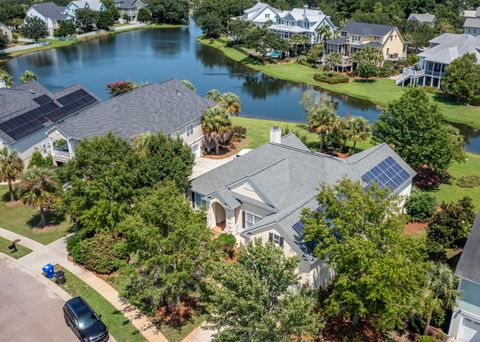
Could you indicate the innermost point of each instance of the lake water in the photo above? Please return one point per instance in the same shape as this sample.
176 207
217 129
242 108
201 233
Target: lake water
159 54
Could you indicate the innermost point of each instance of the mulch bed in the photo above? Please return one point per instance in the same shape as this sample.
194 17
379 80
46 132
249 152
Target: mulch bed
174 317
339 330
228 151
414 228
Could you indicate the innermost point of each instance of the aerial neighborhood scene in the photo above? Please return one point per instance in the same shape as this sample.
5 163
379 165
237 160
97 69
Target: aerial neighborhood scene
239 170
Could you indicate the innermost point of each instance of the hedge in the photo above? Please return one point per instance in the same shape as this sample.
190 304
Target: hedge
331 78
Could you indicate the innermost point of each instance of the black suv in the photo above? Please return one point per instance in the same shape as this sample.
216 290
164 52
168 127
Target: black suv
84 321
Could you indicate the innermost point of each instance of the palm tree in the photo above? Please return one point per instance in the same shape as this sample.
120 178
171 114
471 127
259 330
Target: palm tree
11 166
214 95
140 141
440 291
325 32
216 125
323 119
358 129
28 76
38 188
333 58
231 102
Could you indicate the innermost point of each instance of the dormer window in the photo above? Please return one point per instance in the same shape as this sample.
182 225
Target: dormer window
267 15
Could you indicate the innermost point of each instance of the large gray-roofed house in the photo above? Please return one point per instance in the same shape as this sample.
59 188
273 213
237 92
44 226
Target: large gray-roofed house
449 46
50 13
168 107
28 110
465 322
264 191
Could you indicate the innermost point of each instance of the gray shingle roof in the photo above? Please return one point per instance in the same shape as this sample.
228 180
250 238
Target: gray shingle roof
288 176
469 264
127 4
472 22
449 46
19 99
367 29
424 18
50 10
163 107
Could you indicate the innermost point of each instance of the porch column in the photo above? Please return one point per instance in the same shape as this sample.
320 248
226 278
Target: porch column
70 149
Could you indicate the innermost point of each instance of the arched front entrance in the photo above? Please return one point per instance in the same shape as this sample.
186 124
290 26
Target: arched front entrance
219 216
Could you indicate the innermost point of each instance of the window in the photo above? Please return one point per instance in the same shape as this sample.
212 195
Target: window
355 38
174 135
267 15
189 130
249 219
197 200
277 240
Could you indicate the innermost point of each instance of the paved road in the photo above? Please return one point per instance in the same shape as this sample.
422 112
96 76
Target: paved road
29 309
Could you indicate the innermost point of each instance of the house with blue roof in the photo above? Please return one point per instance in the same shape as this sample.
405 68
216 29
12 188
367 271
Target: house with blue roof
262 193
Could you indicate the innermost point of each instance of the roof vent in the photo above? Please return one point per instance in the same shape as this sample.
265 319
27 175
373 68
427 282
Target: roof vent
276 135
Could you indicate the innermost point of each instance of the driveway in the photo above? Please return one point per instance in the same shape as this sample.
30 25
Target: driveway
29 309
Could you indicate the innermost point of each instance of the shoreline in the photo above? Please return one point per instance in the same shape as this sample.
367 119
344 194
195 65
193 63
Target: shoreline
379 91
54 44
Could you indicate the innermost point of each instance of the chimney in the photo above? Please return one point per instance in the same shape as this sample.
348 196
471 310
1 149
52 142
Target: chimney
276 135
305 7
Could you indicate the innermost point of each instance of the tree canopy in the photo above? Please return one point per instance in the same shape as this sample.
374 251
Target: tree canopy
462 78
169 11
415 127
35 28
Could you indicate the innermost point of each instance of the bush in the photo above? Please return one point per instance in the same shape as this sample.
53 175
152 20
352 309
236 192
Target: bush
103 253
226 242
304 60
427 339
420 206
475 100
331 78
412 59
239 133
73 247
471 181
431 90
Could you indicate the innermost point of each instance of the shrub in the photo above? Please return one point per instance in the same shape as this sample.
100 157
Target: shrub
431 90
471 181
331 78
226 242
73 247
304 60
239 133
420 206
475 100
103 253
412 59
427 339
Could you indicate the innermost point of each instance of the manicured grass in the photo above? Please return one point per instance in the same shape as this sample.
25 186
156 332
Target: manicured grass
258 132
119 326
379 91
20 219
451 191
21 250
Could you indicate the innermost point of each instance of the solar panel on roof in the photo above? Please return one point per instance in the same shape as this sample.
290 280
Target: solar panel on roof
71 103
387 174
43 99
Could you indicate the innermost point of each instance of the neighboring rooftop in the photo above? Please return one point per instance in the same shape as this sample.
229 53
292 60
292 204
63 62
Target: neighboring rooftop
423 18
27 108
51 10
126 4
367 29
154 107
94 5
449 46
468 266
472 22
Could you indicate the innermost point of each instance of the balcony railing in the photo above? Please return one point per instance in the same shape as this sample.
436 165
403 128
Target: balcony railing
434 73
60 155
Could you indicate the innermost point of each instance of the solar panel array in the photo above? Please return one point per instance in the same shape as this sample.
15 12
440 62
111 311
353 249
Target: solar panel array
299 228
387 174
34 119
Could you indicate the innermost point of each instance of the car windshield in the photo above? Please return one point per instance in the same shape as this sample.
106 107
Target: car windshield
86 321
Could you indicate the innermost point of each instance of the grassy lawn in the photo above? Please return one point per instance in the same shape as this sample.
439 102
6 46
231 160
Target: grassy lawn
451 191
119 326
258 133
21 250
53 45
379 91
173 334
21 220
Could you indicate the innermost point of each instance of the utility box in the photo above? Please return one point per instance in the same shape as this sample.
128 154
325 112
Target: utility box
48 270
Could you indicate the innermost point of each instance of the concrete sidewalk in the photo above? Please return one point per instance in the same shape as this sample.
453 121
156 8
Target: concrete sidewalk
56 253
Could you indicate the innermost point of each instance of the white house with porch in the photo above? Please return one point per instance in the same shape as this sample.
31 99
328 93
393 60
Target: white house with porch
262 193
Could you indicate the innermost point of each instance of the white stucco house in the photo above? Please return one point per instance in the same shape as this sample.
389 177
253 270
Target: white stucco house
303 21
94 5
50 13
168 107
465 322
262 193
28 111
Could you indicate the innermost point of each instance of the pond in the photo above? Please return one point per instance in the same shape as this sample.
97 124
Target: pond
156 55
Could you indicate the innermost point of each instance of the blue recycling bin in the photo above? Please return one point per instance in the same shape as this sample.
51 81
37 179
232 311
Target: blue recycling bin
48 270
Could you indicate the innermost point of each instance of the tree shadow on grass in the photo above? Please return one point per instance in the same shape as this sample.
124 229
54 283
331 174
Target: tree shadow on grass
52 218
449 100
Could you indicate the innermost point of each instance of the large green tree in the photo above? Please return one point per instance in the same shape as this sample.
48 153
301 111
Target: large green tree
462 78
35 28
378 270
86 19
223 10
11 166
169 11
254 300
172 244
416 129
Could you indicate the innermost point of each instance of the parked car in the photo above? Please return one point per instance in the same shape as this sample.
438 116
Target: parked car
84 322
